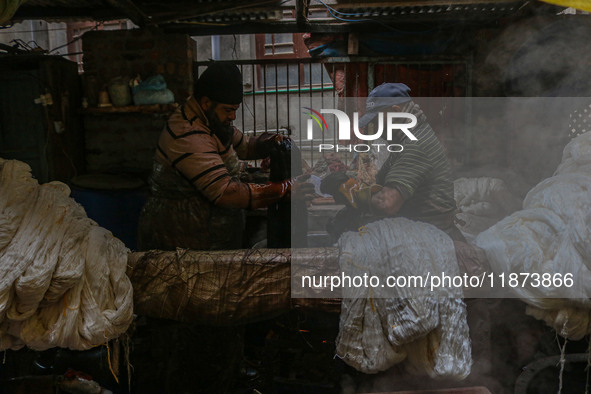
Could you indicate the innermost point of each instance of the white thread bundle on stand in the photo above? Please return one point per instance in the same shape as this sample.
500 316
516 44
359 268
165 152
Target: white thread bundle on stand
381 326
62 277
551 235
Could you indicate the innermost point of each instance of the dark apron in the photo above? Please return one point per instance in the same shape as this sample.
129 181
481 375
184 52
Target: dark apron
177 215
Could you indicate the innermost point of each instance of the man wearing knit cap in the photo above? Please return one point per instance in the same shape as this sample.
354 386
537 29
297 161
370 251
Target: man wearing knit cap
196 197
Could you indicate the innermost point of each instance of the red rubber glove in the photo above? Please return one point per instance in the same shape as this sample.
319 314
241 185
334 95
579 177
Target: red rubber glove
269 193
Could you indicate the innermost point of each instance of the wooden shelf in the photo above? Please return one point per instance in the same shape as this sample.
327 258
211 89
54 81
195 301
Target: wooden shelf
141 109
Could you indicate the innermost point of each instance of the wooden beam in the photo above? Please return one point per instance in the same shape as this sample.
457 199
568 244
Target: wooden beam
353 44
302 12
61 13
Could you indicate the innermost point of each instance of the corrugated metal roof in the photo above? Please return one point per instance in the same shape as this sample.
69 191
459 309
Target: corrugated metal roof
233 16
148 11
409 9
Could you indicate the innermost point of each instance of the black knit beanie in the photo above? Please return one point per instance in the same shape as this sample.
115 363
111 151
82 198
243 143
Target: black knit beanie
221 82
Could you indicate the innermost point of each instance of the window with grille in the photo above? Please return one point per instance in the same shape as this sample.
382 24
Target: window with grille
278 44
277 75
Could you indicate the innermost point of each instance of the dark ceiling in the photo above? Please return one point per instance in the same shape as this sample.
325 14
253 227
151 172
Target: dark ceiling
202 17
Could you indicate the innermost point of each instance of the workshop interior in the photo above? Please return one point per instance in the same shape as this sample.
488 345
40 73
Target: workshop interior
297 196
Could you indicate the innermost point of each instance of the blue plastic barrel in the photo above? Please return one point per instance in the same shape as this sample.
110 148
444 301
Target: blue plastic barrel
113 201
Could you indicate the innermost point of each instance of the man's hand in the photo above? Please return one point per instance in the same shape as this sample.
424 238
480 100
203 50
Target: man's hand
272 192
346 190
302 190
387 201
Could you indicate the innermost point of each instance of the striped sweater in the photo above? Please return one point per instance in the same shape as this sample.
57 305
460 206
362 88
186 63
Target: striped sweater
189 146
422 175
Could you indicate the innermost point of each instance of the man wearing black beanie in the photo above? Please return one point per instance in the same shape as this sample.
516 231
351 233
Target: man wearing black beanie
197 198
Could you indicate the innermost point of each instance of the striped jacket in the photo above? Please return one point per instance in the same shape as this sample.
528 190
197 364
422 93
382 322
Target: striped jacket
189 146
422 175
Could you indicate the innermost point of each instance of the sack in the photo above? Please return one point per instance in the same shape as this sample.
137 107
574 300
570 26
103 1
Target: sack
146 97
152 91
155 82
